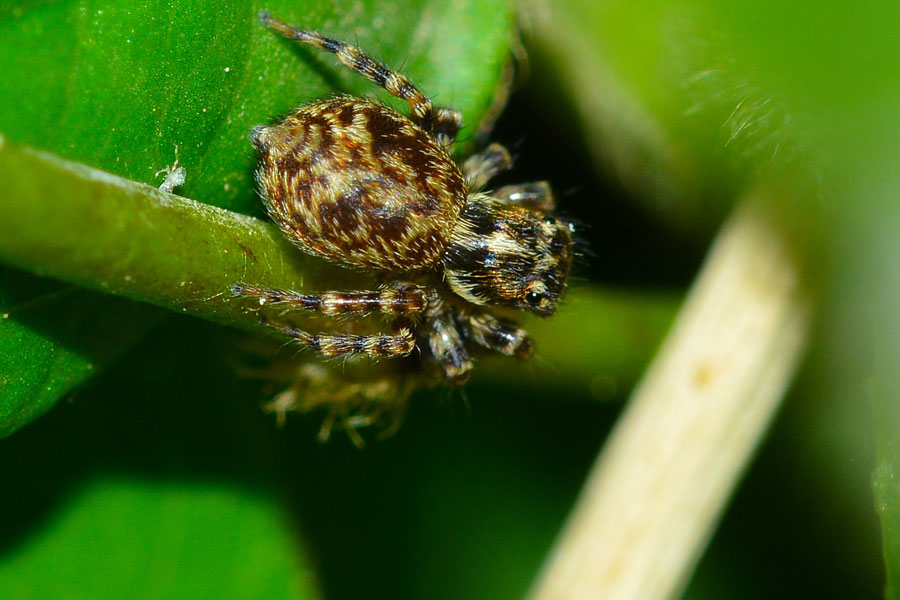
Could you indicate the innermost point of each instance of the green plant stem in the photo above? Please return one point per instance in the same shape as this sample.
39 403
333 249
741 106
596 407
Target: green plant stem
87 227
52 206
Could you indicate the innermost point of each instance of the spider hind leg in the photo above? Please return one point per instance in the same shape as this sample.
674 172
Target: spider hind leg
480 168
442 123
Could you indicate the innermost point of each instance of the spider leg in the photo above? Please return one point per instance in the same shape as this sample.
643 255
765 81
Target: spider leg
482 167
442 123
397 298
445 126
500 335
535 195
400 343
448 346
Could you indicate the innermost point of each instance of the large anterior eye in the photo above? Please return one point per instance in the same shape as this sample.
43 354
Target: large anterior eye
533 299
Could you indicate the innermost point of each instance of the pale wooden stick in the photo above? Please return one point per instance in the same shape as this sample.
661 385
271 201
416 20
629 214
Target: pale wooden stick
657 490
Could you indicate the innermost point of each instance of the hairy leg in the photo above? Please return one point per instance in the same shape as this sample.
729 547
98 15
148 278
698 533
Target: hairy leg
500 335
396 298
448 346
442 123
535 195
399 343
483 166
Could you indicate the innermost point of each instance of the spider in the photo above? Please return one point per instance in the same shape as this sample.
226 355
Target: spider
359 184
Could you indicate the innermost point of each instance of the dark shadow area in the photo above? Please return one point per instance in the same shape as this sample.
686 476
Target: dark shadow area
626 246
432 511
170 408
796 529
421 511
95 325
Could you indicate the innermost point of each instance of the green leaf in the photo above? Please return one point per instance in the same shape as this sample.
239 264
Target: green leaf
693 102
159 540
144 244
120 86
41 359
161 479
130 87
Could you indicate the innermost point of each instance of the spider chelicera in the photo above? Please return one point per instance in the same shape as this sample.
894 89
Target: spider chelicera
361 185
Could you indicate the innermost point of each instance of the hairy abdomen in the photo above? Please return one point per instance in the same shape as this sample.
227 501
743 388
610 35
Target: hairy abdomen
359 184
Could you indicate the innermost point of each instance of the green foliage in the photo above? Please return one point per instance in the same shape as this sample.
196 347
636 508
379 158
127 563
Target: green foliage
121 86
157 481
238 539
42 359
163 477
199 252
131 87
692 103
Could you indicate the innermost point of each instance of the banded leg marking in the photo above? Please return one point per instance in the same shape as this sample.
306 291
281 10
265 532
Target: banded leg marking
499 334
442 123
536 195
397 298
448 347
400 343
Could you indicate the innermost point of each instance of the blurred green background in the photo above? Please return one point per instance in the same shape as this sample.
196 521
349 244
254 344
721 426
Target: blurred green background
159 475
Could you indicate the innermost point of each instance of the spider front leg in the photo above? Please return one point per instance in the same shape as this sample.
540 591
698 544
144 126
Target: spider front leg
484 166
397 298
448 346
535 195
501 335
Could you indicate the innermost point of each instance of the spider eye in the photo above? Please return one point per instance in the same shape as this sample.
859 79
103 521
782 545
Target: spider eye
548 221
533 299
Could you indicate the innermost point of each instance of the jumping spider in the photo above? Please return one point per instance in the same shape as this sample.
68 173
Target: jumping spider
363 186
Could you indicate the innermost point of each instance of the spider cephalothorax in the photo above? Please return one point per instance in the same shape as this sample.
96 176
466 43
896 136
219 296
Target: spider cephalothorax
361 185
509 256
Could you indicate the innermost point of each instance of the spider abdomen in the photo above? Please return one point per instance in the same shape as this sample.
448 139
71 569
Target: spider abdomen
359 184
